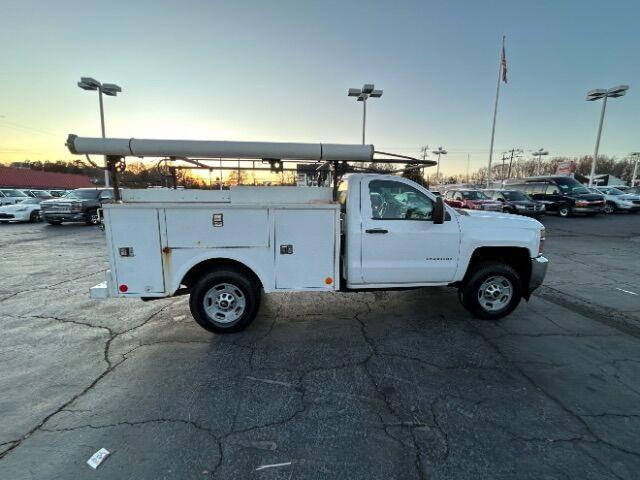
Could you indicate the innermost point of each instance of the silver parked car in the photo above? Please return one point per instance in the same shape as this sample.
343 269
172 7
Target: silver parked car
616 200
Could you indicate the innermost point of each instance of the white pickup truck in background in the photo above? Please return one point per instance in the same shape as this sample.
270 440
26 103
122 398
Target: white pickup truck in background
225 248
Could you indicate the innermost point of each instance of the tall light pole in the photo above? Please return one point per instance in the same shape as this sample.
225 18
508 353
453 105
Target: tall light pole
540 153
367 91
110 89
439 151
598 94
635 155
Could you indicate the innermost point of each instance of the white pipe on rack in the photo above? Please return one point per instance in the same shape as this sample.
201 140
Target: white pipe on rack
134 147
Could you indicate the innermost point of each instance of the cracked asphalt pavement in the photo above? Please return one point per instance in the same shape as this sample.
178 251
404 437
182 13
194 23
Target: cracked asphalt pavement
362 386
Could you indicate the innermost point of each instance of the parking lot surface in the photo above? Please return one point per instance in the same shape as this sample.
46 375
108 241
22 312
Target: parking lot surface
360 385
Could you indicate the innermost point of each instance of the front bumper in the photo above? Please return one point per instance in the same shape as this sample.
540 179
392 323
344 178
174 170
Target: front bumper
16 216
628 208
538 272
589 209
63 216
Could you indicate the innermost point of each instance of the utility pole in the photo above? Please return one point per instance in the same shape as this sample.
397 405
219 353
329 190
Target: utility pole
468 160
509 153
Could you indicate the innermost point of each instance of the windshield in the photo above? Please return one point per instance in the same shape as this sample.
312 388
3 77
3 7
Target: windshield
13 193
515 195
30 201
84 194
569 185
474 195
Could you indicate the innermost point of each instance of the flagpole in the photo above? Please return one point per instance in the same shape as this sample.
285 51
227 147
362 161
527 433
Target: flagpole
495 113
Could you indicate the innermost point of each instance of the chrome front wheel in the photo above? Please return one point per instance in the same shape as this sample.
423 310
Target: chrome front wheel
495 293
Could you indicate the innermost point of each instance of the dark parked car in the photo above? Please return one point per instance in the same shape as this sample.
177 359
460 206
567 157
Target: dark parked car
516 201
560 194
80 205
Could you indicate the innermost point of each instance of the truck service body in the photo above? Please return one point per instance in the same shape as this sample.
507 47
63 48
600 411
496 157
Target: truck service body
224 248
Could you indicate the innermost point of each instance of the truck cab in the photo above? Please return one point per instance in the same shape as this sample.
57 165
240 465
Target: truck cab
226 248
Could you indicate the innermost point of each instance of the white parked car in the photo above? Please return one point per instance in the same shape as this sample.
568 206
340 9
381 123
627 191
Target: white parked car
9 196
617 200
25 211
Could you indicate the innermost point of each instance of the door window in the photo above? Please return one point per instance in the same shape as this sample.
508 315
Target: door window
392 200
552 190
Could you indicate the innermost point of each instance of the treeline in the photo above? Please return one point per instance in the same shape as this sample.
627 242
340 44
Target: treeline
621 168
141 175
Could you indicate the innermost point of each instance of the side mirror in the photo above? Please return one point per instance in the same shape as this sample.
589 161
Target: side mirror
438 211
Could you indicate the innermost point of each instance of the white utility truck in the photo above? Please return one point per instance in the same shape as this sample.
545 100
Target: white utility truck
226 247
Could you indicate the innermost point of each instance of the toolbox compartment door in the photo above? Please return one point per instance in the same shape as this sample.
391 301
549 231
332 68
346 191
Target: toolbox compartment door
140 268
305 249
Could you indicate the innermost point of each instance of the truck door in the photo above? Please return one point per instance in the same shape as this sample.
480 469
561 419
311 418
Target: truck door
400 242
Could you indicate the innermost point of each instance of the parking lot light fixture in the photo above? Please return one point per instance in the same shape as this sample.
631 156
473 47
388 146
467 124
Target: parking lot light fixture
603 94
109 89
439 151
540 153
362 94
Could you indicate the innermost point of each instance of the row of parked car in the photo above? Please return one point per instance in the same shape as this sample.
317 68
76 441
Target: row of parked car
80 205
536 196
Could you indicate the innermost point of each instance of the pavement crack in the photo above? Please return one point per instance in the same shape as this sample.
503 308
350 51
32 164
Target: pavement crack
559 403
110 367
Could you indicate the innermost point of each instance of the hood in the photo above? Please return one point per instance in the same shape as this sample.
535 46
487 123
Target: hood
482 202
499 219
14 207
590 197
629 196
61 200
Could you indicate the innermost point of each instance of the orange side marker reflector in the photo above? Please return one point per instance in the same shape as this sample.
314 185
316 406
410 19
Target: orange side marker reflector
328 280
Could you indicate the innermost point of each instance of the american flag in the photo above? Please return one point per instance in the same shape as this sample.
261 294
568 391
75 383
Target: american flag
503 62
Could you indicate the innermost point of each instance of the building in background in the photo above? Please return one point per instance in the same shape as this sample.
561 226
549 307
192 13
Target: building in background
11 177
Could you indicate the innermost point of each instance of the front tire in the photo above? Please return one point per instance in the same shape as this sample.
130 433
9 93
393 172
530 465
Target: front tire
493 291
225 301
609 208
34 216
92 218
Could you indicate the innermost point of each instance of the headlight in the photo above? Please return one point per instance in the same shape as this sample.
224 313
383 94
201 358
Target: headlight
542 238
520 207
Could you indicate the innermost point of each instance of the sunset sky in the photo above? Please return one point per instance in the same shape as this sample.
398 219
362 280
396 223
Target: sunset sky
279 70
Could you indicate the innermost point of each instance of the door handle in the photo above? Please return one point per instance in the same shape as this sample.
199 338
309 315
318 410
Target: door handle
377 230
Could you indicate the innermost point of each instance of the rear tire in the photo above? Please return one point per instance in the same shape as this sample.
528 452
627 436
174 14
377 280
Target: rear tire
225 301
564 211
492 291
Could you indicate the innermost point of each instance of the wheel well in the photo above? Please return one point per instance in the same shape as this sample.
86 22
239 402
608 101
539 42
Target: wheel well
215 264
517 258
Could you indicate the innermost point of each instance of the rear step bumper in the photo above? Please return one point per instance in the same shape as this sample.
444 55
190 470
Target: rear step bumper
99 291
